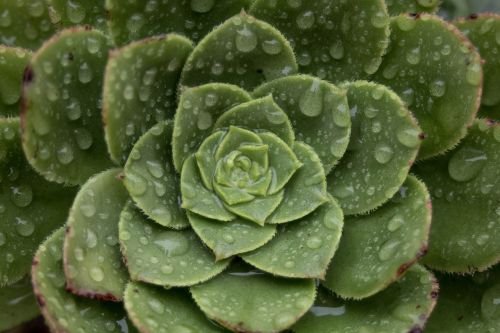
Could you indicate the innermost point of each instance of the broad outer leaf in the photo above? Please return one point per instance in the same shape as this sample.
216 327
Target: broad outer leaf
155 309
17 304
140 89
237 52
92 259
377 249
303 248
247 301
25 23
78 12
335 40
196 114
151 180
61 108
465 188
467 304
132 20
164 257
318 111
437 72
30 207
12 63
384 143
403 307
63 311
397 7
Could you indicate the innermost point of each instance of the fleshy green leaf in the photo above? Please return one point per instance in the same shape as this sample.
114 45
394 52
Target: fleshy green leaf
151 180
205 158
259 209
237 52
196 198
92 258
484 33
25 23
12 64
397 7
467 304
305 191
164 257
17 304
132 20
402 307
231 238
465 188
30 207
438 74
155 309
460 8
235 137
247 301
377 249
140 89
78 12
302 249
384 143
61 117
198 110
318 112
259 114
334 40
63 311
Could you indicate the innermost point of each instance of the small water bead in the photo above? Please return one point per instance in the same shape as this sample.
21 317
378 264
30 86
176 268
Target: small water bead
205 120
305 20
409 137
128 93
83 138
314 242
217 68
337 50
388 249
438 88
88 209
474 74
228 238
466 163
202 6
272 46
24 228
331 220
21 195
395 223
73 110
96 274
85 73
167 269
413 57
75 12
93 45
246 40
90 239
311 101
65 153
155 169
383 153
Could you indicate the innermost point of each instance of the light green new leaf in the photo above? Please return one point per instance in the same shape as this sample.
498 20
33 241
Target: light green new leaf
17 304
377 249
30 207
402 307
12 64
151 180
243 300
238 52
155 309
318 112
92 258
384 143
303 248
63 311
140 89
465 188
132 20
61 116
164 257
336 40
438 74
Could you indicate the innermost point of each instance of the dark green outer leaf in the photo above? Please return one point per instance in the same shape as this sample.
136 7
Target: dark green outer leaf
17 304
12 63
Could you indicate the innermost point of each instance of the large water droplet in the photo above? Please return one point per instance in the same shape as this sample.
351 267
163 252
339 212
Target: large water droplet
65 153
246 40
395 223
156 306
205 120
96 274
409 137
90 239
388 249
75 12
172 244
337 50
83 138
311 101
85 73
314 242
305 20
438 88
24 228
202 6
136 184
21 195
466 163
383 153
272 46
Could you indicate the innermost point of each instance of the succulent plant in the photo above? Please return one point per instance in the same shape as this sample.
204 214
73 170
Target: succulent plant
249 166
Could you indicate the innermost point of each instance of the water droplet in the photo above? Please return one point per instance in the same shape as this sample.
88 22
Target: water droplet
83 138
305 20
202 6
167 269
74 111
343 191
474 74
378 93
136 185
217 68
283 320
96 274
21 195
289 264
409 137
370 112
380 20
413 57
314 242
337 50
383 153
405 23
246 40
24 228
228 238
388 249
438 88
2 239
93 45
205 120
155 169
156 306
490 303
466 163
272 46
482 239
65 153
88 209
331 220
85 73
90 239
172 244
75 12
395 223
311 101
275 116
